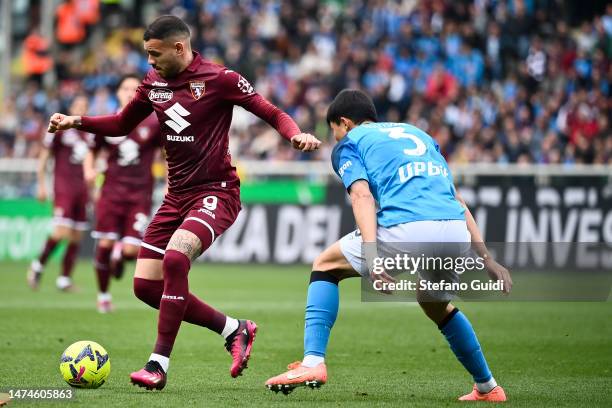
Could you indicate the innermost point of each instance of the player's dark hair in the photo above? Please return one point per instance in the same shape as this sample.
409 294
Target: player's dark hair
165 27
67 104
126 77
79 95
352 104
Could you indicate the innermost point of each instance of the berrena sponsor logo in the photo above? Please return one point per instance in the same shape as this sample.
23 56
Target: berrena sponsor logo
160 95
177 138
157 83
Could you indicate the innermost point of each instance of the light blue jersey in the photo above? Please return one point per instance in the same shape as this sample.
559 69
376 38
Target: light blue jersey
408 176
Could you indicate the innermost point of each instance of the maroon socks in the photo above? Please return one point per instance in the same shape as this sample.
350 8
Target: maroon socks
50 245
69 259
198 312
173 301
103 267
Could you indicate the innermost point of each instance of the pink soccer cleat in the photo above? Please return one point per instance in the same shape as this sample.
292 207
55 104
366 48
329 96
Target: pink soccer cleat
151 377
239 344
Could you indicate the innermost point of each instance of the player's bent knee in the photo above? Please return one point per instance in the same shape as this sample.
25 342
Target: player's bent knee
60 233
105 243
149 291
176 264
330 259
436 311
149 269
333 271
319 263
129 251
140 290
75 236
332 262
323 276
190 240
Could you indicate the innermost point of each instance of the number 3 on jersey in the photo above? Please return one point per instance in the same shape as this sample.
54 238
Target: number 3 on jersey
399 133
176 113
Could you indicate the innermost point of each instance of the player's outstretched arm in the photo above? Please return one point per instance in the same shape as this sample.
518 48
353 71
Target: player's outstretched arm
119 124
364 209
59 121
240 92
305 142
496 271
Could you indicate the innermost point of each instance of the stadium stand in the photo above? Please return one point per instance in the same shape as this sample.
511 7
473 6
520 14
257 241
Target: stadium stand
516 81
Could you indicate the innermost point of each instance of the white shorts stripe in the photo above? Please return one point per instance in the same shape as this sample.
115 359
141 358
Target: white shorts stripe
105 235
205 223
152 248
70 223
63 221
131 240
81 226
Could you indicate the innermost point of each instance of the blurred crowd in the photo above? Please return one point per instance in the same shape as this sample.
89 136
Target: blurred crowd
506 81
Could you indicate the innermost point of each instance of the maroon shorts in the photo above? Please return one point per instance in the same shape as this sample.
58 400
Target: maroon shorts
126 220
70 210
212 210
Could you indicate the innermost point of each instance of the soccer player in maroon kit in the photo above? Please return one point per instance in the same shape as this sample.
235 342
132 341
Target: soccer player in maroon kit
70 196
193 99
124 206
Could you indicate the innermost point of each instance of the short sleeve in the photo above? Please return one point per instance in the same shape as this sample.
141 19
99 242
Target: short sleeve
348 164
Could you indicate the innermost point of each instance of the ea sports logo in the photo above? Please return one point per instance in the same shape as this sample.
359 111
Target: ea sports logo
160 95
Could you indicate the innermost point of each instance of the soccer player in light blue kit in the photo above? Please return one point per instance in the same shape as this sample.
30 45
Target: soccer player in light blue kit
401 190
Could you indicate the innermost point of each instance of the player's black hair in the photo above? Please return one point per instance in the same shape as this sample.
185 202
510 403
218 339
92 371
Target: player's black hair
352 104
69 102
79 95
165 27
128 76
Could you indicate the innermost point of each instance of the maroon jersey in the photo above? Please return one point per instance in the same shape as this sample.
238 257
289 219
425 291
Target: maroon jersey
195 112
69 148
128 176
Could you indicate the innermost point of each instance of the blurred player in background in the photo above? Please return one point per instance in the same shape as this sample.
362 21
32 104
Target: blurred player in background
390 208
70 196
194 100
124 205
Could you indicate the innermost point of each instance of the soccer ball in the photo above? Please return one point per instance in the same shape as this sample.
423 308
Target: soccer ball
85 364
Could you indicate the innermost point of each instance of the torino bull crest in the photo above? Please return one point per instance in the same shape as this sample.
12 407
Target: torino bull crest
197 89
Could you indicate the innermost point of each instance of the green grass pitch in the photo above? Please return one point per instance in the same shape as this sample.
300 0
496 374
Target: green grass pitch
544 354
